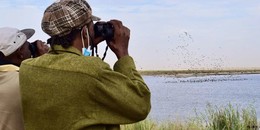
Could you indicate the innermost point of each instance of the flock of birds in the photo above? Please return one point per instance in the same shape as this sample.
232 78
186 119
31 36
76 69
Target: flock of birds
193 59
207 79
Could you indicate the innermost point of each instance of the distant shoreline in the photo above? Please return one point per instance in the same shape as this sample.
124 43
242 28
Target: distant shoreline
184 73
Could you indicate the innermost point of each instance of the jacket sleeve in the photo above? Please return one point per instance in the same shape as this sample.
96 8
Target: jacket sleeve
122 96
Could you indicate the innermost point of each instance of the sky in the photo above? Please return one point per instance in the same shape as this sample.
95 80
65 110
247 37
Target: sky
167 34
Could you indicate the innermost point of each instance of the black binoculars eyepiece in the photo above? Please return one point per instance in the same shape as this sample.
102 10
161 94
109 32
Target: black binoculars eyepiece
104 29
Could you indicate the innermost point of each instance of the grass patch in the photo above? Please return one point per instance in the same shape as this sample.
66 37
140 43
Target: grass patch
215 118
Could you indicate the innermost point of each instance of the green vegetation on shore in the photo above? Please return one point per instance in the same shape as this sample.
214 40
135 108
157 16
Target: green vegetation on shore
201 72
214 118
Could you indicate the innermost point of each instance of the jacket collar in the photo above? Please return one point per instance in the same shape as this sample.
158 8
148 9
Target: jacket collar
60 50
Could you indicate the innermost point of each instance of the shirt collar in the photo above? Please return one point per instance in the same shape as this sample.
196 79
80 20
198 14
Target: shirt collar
9 67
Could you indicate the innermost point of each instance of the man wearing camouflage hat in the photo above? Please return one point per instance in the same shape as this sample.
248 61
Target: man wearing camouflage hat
67 89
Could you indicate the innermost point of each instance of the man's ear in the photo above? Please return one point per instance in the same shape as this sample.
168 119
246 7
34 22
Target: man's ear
84 32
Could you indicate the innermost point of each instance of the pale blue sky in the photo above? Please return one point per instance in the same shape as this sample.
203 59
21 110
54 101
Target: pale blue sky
167 34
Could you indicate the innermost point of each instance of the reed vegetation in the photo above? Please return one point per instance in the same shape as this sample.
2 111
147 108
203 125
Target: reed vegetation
214 118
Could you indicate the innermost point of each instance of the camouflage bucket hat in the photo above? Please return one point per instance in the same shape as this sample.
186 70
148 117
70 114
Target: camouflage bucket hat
61 17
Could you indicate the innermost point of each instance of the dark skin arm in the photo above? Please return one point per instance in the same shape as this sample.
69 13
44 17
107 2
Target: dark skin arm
42 48
119 44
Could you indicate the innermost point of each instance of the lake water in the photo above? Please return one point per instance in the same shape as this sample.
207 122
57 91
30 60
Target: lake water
177 98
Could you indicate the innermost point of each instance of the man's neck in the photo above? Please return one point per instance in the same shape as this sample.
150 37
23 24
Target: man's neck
6 62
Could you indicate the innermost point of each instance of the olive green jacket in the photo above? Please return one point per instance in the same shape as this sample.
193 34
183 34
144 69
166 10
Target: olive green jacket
68 91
